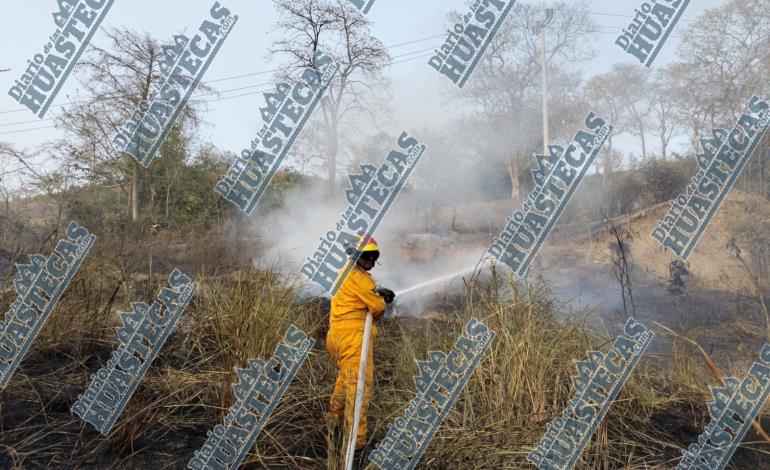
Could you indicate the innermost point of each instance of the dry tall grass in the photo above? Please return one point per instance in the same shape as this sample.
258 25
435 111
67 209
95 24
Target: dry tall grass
523 383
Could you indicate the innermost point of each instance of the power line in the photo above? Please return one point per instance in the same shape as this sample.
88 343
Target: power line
616 28
115 94
112 95
242 76
393 46
602 29
598 13
442 35
205 94
424 56
191 102
198 101
234 77
24 122
27 130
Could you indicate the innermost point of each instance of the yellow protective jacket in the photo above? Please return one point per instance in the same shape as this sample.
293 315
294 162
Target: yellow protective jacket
356 296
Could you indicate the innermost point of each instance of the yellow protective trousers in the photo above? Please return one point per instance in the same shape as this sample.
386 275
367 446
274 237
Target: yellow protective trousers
344 344
356 296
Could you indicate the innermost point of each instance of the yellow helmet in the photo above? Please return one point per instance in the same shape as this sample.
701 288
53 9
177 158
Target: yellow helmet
366 244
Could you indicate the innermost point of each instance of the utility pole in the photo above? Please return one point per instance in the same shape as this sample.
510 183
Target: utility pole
539 28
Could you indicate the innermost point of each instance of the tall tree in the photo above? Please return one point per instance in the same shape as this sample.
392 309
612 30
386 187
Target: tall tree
604 98
339 29
729 49
726 52
634 85
663 105
625 92
115 80
692 105
505 89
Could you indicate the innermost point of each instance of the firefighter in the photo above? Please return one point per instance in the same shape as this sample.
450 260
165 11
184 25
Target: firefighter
356 296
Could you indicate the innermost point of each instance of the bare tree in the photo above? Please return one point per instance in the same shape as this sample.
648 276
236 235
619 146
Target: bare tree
633 86
10 153
506 90
755 280
663 105
602 94
15 171
729 48
622 263
115 80
692 105
36 202
729 61
338 29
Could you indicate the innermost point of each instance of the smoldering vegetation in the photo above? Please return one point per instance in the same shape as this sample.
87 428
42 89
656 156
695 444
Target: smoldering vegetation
598 268
517 388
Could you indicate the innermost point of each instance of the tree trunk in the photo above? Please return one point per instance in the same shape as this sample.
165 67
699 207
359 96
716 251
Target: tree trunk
607 165
168 195
513 173
333 149
663 142
93 173
694 136
135 191
136 175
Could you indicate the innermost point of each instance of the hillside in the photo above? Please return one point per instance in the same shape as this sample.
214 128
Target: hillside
714 293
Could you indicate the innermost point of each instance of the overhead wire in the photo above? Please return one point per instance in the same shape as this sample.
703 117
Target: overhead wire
603 29
199 101
107 96
234 77
392 46
205 94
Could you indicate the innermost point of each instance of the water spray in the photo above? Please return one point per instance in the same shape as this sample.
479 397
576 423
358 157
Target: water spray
436 280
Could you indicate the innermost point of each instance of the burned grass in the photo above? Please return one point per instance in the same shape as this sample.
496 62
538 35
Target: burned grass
522 383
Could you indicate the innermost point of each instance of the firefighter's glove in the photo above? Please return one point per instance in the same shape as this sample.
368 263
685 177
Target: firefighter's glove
387 294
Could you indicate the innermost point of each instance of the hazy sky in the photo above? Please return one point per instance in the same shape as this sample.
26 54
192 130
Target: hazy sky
233 122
